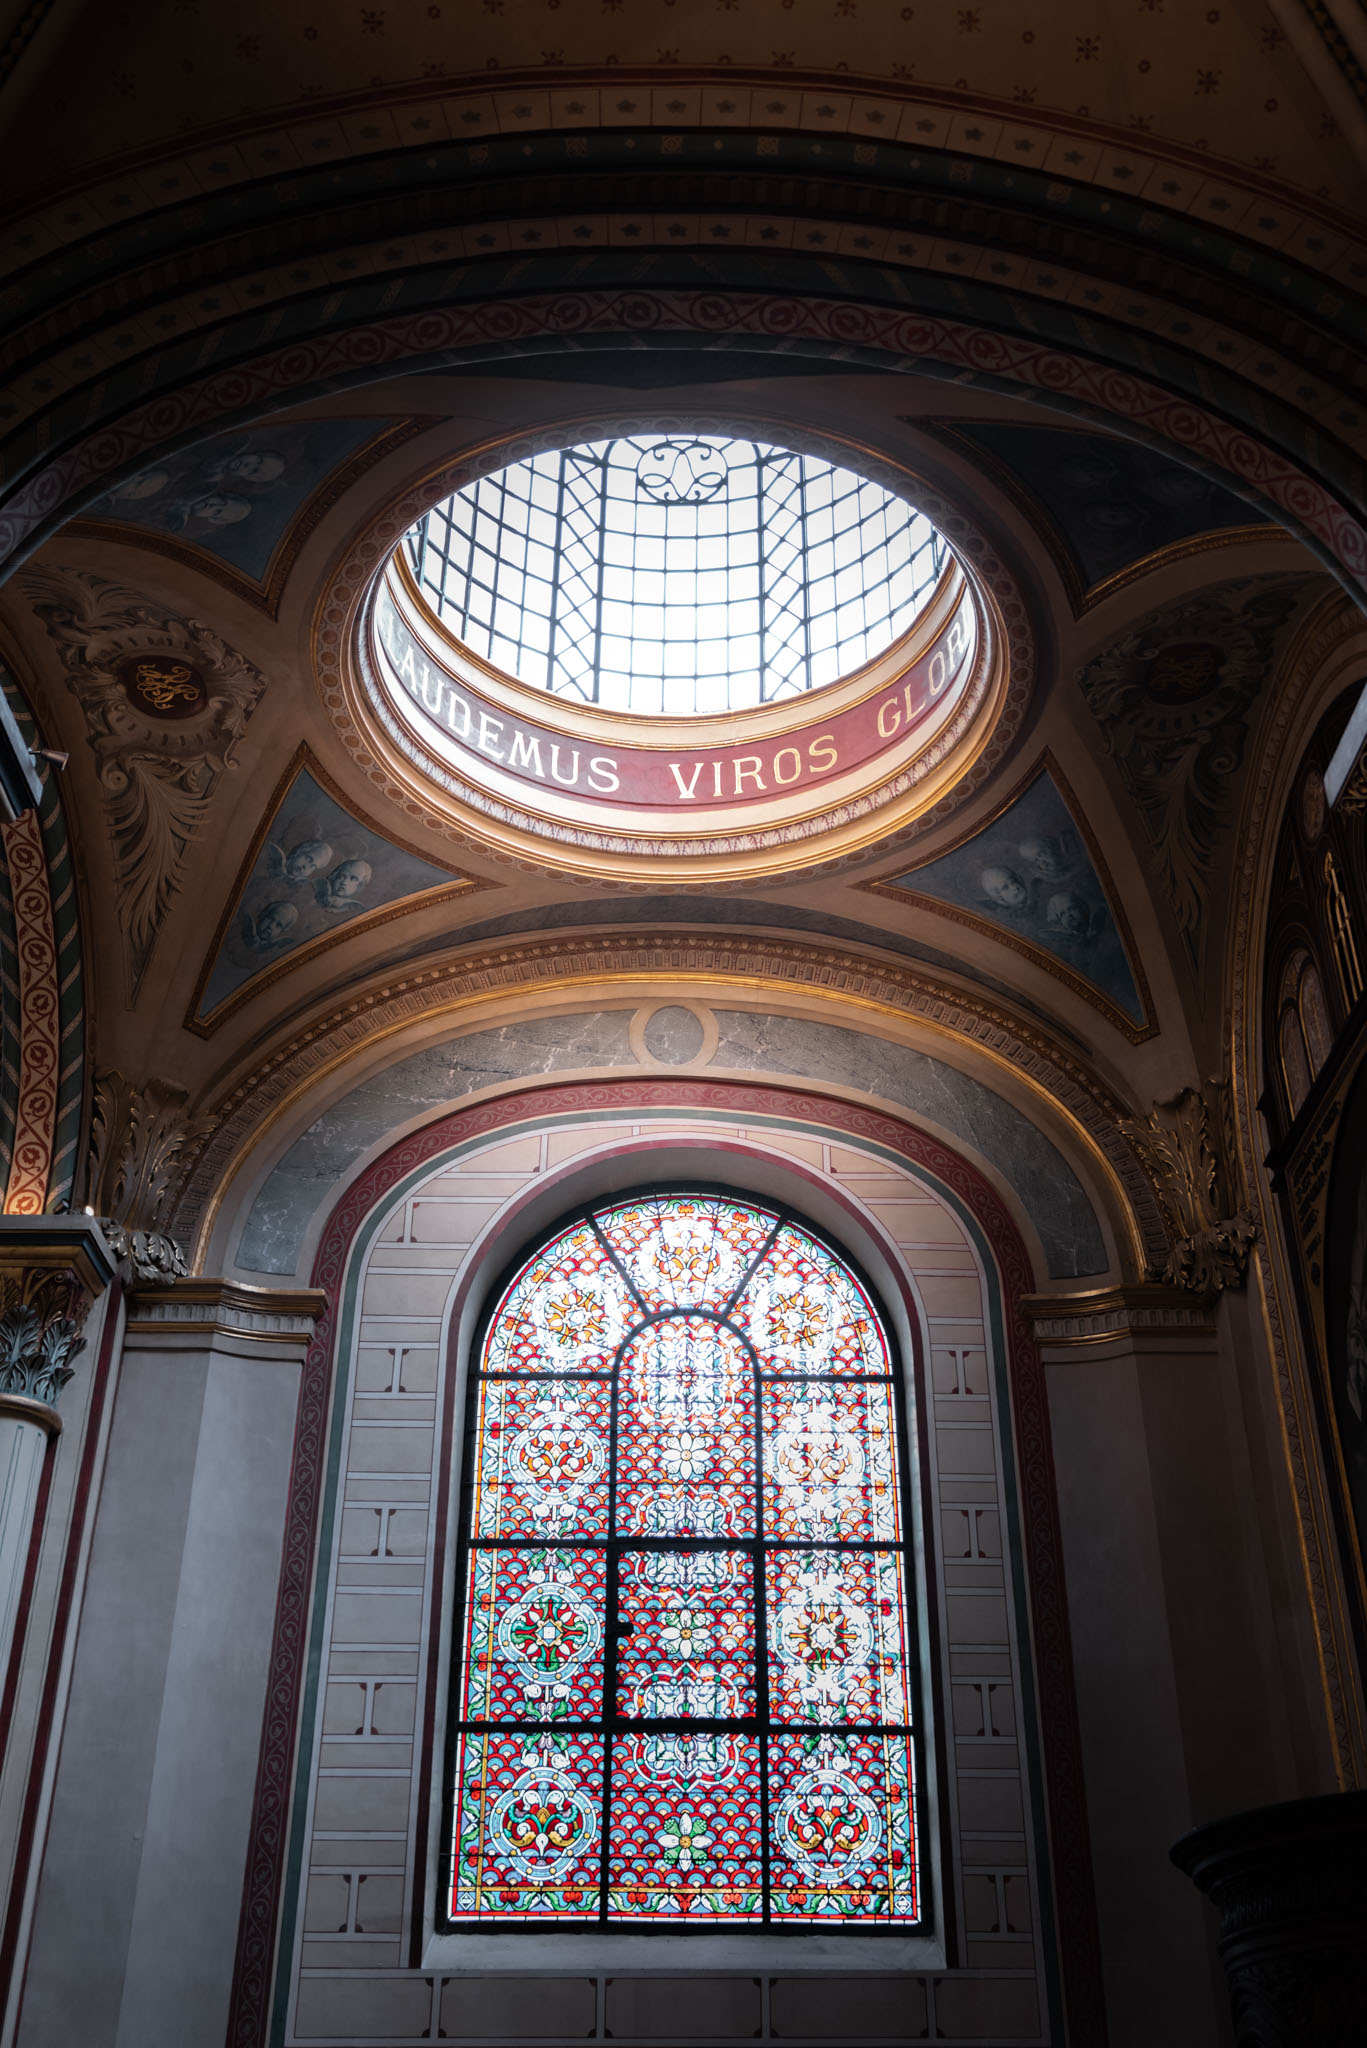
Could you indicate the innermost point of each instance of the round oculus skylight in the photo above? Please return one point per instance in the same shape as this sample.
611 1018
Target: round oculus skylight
676 576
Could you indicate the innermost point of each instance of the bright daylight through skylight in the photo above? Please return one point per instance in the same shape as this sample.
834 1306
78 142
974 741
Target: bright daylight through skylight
676 575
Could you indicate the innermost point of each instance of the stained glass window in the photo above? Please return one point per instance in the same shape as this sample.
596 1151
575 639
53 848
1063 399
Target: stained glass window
683 1687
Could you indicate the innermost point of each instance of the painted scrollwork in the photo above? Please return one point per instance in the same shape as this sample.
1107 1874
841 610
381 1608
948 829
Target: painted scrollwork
1187 1142
1172 699
165 702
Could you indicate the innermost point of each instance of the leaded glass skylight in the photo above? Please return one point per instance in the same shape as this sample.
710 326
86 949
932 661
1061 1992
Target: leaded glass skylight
673 576
684 1678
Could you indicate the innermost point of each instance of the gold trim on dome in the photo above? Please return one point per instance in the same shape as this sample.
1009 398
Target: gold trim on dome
741 842
705 730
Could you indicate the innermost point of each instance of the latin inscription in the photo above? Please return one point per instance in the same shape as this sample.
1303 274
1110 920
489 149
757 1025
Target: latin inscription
646 776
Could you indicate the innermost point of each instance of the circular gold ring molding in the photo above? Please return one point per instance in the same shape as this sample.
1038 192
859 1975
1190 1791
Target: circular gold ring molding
719 798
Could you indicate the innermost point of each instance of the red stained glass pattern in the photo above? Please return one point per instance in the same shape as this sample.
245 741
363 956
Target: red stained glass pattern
541 1458
842 1839
690 1653
829 1468
567 1311
534 1635
686 1423
685 1594
803 1315
685 1846
528 1820
687 1251
838 1636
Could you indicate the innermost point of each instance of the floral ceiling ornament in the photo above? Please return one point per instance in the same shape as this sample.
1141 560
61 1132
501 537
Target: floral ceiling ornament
41 1314
165 702
1173 699
1188 1142
141 1139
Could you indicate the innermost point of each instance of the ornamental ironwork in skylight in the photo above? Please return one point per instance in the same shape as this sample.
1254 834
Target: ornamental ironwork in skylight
676 575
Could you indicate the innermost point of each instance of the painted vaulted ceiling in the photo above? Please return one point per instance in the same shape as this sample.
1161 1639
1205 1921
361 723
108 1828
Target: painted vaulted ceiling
1239 82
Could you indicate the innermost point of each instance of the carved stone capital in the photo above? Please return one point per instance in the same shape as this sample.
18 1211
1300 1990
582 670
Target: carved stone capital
1188 1145
51 1269
1290 1885
140 1138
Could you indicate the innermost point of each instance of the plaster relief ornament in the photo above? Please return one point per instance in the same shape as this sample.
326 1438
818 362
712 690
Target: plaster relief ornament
1190 1143
166 703
1172 699
141 1140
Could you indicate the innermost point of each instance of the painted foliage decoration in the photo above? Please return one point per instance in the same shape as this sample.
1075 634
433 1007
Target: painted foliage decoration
684 1684
1172 699
165 702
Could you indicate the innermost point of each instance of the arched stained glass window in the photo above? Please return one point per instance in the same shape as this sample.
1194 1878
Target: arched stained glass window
684 1683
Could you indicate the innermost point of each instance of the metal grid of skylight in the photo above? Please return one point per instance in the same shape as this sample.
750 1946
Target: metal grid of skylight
676 576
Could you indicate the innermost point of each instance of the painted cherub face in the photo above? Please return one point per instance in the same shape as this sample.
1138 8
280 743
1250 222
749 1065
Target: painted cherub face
274 923
146 484
1068 914
345 882
220 508
252 466
307 859
1045 856
1004 886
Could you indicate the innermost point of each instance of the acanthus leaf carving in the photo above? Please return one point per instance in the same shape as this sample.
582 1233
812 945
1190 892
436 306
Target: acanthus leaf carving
41 1314
141 1140
1172 698
1187 1142
165 702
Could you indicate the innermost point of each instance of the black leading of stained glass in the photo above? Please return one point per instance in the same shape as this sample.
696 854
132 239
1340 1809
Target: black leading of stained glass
683 1678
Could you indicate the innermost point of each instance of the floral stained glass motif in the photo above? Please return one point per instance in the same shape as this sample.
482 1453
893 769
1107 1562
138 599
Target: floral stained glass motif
684 1671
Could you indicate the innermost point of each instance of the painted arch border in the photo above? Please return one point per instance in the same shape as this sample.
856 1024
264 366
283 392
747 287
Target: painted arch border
1076 376
260 1984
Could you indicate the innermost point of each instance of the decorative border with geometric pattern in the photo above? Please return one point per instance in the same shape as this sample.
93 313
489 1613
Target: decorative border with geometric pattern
35 1113
70 1117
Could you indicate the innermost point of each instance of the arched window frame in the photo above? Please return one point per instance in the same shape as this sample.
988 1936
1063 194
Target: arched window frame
917 1941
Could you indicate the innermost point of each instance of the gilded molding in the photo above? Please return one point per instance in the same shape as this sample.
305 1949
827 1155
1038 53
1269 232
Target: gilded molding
35 1108
1115 1315
206 1307
244 1113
